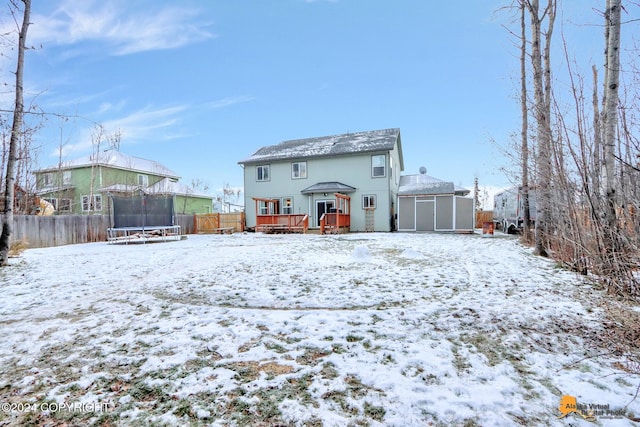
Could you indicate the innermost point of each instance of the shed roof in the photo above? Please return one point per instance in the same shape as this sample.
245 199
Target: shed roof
118 160
423 184
334 145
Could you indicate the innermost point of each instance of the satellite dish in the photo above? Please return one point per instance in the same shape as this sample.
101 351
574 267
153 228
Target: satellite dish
423 170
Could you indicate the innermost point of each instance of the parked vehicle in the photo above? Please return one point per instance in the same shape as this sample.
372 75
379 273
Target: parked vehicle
508 210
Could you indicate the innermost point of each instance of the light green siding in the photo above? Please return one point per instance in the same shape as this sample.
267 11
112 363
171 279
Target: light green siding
84 181
189 205
353 170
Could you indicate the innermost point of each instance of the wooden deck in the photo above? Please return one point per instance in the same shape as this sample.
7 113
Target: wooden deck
335 223
339 221
282 223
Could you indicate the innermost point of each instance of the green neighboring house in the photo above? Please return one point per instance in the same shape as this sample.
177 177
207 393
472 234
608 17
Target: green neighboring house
82 186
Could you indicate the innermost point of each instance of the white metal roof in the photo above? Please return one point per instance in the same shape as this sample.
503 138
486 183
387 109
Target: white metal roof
116 159
168 186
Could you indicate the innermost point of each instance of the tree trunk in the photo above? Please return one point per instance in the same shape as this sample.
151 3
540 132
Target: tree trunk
610 109
541 84
525 126
16 129
612 242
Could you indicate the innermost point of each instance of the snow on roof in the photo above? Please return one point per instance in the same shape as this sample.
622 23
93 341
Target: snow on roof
116 159
335 145
121 188
168 186
423 184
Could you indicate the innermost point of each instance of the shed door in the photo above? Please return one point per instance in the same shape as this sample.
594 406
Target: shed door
444 213
406 213
425 215
464 213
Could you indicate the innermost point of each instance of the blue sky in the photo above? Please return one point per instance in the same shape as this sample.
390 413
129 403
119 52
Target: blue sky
201 85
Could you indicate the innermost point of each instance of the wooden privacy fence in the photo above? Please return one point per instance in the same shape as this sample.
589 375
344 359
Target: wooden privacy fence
45 231
57 230
218 222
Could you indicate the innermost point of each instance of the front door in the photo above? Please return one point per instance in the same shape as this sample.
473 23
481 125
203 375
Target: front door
322 207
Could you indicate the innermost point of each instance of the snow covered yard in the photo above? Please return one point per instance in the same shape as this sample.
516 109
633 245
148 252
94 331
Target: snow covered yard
305 330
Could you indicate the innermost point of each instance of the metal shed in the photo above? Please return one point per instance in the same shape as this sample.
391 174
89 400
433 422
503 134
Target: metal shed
426 203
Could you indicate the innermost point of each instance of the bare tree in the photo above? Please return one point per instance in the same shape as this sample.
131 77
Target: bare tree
16 130
524 149
541 64
614 255
610 109
97 135
114 139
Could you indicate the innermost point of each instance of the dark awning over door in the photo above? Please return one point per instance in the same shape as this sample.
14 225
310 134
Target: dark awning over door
329 187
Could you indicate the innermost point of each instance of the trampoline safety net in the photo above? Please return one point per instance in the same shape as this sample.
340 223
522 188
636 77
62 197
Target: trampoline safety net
142 211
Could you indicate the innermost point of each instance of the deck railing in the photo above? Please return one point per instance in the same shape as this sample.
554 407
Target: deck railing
334 222
282 223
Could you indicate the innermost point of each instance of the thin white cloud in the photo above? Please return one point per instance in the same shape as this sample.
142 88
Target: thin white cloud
125 30
142 125
228 101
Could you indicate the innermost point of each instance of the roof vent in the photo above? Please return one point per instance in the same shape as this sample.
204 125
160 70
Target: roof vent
423 170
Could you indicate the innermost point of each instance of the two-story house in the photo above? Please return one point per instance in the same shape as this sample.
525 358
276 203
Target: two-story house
304 175
82 186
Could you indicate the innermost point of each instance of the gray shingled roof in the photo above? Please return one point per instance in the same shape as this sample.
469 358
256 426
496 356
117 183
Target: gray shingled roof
335 145
328 187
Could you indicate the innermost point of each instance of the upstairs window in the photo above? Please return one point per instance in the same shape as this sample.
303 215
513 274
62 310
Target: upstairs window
299 170
66 177
378 166
143 180
48 180
262 173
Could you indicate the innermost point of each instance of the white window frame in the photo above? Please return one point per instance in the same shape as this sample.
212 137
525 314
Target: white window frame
48 179
97 203
369 201
66 177
263 208
143 180
375 160
298 170
263 173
